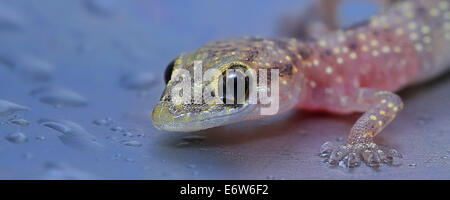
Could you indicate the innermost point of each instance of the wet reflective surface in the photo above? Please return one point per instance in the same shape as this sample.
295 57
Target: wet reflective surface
78 81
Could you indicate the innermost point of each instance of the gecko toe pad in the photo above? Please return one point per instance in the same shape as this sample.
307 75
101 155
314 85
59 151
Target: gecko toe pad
351 155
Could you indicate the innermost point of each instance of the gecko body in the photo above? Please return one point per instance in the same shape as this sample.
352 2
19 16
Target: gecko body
344 71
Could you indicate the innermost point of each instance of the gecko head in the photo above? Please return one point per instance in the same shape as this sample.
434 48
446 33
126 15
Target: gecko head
213 86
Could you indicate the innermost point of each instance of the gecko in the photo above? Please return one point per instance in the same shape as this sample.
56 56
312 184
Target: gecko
352 70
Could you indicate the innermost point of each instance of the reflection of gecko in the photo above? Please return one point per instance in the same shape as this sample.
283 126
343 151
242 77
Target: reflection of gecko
352 70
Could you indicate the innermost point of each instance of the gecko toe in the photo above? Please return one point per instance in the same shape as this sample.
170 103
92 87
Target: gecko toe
375 156
394 157
371 158
326 149
352 160
351 155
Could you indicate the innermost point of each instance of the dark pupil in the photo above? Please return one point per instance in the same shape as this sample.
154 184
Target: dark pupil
168 72
230 79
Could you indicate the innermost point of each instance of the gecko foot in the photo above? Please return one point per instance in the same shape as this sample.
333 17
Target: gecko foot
351 155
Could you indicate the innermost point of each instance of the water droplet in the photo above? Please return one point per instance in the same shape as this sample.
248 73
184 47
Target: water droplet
127 134
17 138
100 7
19 122
101 122
28 67
140 135
132 143
59 97
10 19
444 157
73 135
8 108
131 160
41 138
117 129
138 81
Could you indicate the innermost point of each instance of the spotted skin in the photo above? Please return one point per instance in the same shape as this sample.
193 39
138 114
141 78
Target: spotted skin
345 71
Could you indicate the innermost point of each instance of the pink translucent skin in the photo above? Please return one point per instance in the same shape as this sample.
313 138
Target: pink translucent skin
360 68
391 52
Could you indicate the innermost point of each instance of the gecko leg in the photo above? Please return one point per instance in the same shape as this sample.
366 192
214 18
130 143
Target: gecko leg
381 108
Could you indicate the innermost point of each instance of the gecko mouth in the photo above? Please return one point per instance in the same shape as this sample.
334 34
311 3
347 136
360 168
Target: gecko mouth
168 117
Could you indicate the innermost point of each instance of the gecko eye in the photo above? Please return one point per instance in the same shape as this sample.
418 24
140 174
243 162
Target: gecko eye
235 79
168 71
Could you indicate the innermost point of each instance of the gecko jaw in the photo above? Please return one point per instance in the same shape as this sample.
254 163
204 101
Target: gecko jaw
164 118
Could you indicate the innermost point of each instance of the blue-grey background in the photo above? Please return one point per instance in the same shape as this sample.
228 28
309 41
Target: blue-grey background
99 64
